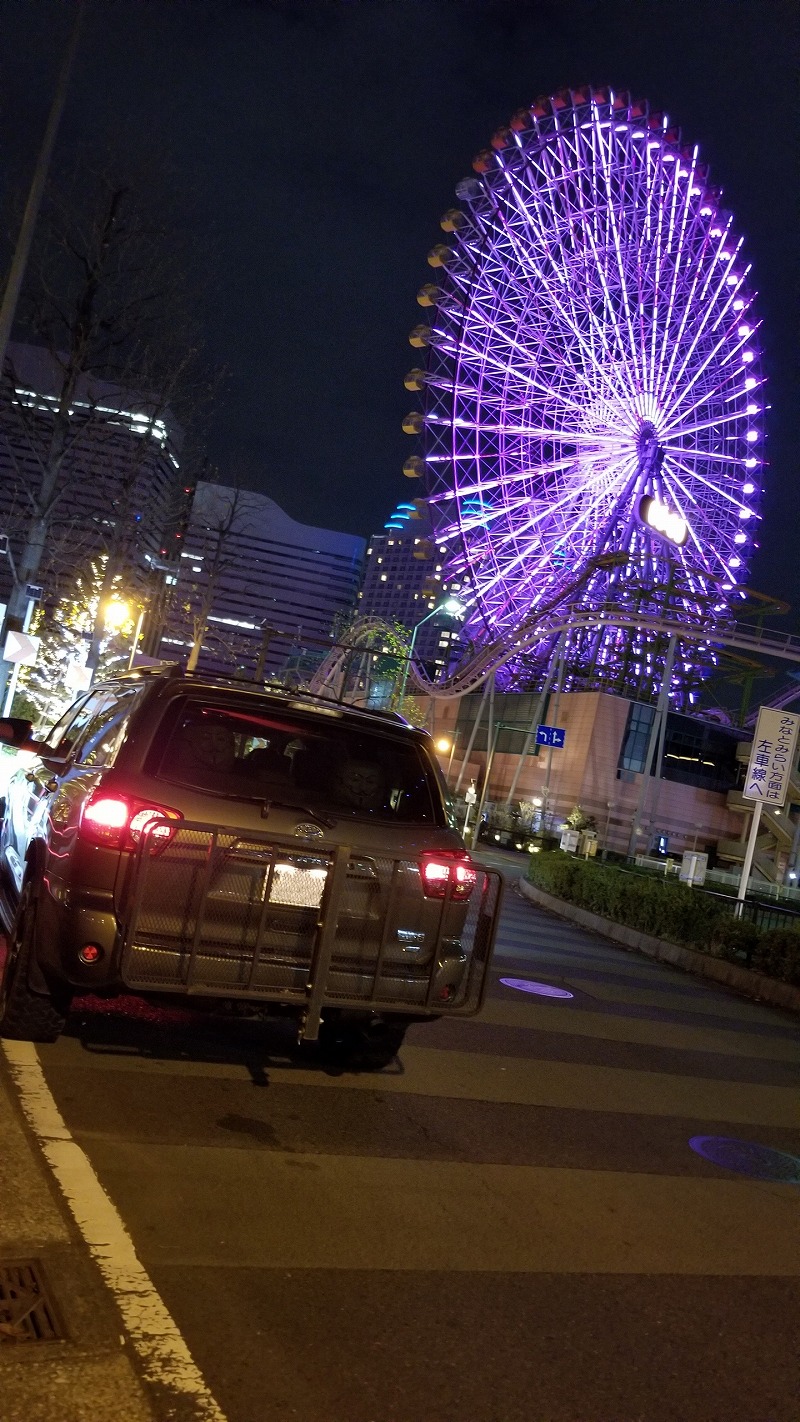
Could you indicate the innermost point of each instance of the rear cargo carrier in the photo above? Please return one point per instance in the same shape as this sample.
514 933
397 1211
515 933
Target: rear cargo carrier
270 918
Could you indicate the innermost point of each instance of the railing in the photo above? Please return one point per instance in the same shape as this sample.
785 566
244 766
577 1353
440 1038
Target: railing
762 916
263 917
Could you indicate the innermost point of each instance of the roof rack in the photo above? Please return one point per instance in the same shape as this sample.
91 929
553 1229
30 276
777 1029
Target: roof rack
169 670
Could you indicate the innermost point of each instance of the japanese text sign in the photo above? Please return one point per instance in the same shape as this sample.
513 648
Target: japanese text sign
771 757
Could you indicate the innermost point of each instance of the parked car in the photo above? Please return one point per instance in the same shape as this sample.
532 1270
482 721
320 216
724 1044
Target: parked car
190 836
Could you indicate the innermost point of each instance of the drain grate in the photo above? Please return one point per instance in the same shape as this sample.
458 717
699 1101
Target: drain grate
27 1313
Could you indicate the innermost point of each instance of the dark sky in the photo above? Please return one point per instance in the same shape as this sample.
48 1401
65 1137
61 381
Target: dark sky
314 145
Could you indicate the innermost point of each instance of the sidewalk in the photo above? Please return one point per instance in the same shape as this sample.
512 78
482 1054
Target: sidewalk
89 1375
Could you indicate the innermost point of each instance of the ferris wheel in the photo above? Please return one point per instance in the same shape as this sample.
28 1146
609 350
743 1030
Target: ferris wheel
592 383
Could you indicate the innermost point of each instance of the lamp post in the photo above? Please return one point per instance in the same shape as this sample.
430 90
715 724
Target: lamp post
445 745
453 608
115 615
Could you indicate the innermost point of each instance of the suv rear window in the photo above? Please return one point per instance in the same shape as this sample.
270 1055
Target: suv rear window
314 762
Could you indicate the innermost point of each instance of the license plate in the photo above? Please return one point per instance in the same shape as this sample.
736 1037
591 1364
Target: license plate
297 887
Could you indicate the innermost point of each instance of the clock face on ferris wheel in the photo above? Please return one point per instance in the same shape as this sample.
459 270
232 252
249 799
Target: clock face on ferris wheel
592 382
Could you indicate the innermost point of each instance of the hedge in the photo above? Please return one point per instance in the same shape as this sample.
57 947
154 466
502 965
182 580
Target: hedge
666 910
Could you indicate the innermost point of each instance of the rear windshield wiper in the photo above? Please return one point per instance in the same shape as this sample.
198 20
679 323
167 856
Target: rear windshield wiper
298 809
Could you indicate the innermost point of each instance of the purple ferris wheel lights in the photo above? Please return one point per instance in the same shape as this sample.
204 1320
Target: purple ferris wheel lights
593 345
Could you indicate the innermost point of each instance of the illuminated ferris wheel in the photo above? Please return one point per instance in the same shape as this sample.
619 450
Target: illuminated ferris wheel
592 381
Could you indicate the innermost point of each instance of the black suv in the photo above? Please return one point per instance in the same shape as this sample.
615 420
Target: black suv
199 837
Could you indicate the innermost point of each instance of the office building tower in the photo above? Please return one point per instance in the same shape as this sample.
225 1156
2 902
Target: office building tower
267 593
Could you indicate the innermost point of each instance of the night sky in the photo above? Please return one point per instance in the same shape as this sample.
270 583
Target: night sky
314 144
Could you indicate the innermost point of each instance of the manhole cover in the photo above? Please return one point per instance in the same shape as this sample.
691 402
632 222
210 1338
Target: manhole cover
27 1313
749 1158
540 989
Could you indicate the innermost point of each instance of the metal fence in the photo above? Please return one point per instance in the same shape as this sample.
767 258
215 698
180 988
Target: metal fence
267 918
762 916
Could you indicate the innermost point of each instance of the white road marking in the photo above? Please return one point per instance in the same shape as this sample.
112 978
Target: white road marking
165 1358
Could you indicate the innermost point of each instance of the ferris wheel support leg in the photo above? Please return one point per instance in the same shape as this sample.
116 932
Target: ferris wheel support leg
559 683
537 715
473 733
491 746
656 737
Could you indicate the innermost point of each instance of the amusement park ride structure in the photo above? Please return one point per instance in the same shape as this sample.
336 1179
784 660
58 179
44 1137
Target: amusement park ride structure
590 437
591 430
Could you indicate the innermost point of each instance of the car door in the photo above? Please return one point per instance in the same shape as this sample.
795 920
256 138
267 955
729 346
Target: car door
46 798
94 740
25 795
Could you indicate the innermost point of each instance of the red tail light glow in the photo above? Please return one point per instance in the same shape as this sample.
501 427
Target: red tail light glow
442 871
119 822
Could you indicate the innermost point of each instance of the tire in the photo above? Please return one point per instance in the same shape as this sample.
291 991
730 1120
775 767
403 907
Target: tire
26 1015
360 1045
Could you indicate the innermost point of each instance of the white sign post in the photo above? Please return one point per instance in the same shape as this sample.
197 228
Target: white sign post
768 773
471 798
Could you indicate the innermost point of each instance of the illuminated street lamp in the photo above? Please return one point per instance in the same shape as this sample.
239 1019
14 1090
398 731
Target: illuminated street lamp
453 608
446 746
116 614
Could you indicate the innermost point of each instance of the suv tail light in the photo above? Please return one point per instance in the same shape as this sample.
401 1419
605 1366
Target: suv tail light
119 821
440 871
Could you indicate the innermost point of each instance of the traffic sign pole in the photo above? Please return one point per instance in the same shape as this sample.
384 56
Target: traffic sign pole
748 857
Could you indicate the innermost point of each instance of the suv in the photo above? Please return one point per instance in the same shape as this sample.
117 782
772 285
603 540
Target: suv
184 835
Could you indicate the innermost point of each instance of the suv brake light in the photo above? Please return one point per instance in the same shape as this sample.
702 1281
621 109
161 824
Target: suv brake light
440 871
120 822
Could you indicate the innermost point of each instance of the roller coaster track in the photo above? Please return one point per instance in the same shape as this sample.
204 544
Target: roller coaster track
549 624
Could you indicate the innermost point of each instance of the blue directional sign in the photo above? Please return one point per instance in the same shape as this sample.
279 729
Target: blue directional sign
550 735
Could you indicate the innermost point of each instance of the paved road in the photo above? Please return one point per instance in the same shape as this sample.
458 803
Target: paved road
508 1226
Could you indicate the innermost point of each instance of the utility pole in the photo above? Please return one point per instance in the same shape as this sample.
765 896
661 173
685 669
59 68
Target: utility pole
19 262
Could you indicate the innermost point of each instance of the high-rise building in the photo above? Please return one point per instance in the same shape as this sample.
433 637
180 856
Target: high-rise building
404 581
271 591
116 487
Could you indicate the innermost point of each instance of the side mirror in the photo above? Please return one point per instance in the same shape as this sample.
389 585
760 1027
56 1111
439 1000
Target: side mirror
16 732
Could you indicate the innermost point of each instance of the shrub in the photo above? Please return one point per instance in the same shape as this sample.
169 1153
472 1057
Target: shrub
667 910
777 953
734 939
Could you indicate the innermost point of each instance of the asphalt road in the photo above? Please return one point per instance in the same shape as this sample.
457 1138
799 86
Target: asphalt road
509 1225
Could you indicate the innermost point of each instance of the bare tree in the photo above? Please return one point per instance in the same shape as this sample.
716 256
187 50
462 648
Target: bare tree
227 513
106 301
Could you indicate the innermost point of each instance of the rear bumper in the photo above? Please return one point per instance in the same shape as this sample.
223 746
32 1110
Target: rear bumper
268 921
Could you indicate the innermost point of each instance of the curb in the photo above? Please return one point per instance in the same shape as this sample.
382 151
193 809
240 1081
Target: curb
743 980
88 1371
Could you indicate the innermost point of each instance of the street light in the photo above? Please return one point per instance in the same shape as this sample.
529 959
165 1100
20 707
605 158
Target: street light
116 613
453 608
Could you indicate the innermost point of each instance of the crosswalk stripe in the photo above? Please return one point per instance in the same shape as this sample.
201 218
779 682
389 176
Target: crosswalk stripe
443 1215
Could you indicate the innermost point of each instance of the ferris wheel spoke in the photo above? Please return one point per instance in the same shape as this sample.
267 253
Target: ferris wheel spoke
720 495
714 312
569 314
623 279
673 246
589 316
723 356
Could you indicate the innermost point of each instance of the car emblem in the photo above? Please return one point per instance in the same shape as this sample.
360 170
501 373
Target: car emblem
305 830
